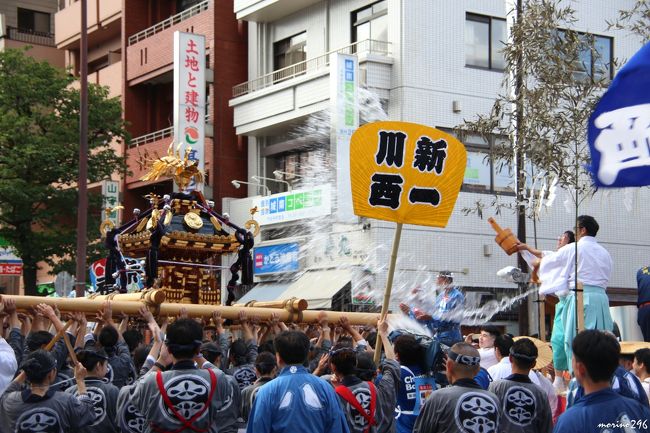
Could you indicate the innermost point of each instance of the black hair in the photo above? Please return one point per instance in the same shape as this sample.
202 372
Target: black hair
292 346
503 343
572 237
267 346
238 351
598 352
38 365
409 350
265 363
344 358
588 223
371 338
133 338
643 357
366 368
140 355
90 358
524 353
36 340
184 338
108 337
626 356
491 329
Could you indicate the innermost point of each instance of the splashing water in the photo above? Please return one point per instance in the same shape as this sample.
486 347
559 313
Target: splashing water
330 244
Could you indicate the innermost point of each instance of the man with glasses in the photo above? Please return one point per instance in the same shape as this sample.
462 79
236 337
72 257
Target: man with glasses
594 271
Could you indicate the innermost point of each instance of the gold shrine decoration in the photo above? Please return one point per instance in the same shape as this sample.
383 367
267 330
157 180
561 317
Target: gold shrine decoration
180 168
107 224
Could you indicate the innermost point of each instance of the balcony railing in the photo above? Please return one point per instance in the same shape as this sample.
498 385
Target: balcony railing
173 20
30 36
369 46
156 135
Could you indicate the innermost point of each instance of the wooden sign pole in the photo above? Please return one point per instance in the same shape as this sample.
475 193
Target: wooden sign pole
389 285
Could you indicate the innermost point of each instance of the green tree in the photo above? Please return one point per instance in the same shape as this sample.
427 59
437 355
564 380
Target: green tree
39 146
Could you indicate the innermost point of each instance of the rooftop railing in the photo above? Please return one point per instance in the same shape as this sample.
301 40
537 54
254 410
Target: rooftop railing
369 46
156 135
173 20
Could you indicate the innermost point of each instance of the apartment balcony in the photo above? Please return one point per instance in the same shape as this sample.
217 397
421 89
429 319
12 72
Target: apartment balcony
269 10
104 23
42 44
152 145
304 88
150 52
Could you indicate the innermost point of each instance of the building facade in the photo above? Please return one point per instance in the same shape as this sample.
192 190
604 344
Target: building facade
433 63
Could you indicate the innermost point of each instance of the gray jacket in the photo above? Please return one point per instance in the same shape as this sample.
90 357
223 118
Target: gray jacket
104 398
524 406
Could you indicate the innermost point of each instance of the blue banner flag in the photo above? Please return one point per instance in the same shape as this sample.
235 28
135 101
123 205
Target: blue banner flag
619 127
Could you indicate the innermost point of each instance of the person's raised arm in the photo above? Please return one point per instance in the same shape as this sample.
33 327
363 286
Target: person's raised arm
382 331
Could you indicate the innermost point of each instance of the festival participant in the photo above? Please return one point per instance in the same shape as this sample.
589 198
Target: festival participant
103 395
40 408
594 271
560 362
643 301
464 403
8 362
266 368
594 362
184 398
410 356
242 355
296 401
525 406
641 367
486 345
446 329
368 407
502 346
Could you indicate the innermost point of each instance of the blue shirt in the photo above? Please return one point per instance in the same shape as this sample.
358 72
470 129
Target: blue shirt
603 410
643 283
483 378
443 305
296 402
623 383
405 419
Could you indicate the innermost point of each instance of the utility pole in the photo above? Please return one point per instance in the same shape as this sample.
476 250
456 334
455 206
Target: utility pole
82 184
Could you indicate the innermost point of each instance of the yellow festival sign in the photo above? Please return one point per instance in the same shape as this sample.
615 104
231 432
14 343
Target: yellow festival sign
405 172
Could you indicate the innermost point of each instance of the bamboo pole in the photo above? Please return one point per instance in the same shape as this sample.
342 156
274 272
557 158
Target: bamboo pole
132 308
155 296
389 285
58 335
293 304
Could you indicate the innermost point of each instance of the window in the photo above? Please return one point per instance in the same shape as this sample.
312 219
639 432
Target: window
594 56
484 40
298 164
371 22
33 21
482 173
182 5
290 51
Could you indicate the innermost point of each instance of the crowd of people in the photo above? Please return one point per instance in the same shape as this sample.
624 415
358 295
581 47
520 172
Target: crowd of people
271 377
189 375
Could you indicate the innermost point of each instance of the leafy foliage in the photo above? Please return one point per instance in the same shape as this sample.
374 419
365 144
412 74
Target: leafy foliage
39 159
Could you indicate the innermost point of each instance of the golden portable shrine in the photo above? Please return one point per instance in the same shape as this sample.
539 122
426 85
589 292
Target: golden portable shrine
181 238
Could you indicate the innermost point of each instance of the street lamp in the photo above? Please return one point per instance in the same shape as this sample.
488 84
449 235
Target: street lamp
237 184
257 179
279 174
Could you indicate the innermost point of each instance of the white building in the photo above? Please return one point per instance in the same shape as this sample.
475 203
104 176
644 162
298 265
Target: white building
429 62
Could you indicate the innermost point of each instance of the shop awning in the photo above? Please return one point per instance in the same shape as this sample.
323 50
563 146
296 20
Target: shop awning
318 287
265 292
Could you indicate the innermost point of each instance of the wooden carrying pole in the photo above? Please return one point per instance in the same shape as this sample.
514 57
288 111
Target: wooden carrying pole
293 304
85 305
389 285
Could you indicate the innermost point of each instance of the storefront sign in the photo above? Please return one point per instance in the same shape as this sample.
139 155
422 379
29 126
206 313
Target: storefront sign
294 205
111 194
276 258
10 264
